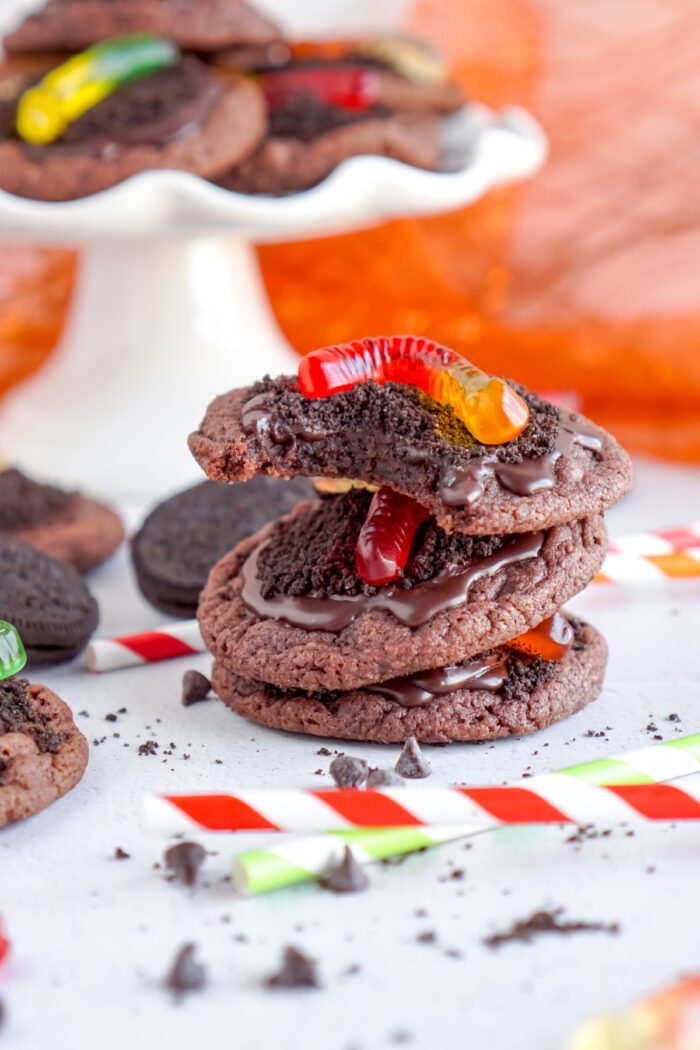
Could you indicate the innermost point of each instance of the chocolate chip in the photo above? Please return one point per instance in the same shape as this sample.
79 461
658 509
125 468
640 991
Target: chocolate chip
195 687
110 717
149 748
323 751
383 778
298 971
347 876
185 859
348 772
411 764
120 854
673 717
186 974
427 937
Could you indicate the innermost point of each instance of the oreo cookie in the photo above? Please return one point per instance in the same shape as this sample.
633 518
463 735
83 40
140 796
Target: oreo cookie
182 538
47 602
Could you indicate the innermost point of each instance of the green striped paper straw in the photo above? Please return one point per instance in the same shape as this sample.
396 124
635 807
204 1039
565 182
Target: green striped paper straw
301 860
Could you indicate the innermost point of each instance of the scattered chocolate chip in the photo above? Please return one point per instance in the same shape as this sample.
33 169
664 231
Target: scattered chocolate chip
348 772
186 974
541 922
110 717
411 764
185 859
121 854
195 687
426 937
298 971
323 751
149 748
347 876
383 778
673 717
652 728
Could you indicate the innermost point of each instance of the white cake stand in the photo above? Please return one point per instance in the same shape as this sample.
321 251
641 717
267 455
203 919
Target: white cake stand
170 308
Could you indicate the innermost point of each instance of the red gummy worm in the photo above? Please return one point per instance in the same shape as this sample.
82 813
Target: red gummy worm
386 538
338 86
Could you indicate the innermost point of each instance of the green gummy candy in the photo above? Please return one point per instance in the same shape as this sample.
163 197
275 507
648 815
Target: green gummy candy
12 654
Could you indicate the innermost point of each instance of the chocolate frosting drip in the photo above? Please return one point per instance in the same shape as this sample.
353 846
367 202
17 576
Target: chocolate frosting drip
413 607
25 503
417 690
466 487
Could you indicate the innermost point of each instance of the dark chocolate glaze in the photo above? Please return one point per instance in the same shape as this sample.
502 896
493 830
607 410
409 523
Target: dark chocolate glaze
413 607
465 488
417 690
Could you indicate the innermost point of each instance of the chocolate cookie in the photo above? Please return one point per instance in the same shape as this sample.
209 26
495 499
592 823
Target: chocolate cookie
531 695
63 524
187 118
46 601
561 467
42 753
288 163
196 25
182 538
285 606
311 134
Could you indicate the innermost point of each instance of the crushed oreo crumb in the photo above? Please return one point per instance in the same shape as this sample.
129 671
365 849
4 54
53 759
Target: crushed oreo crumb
306 116
348 772
18 715
544 922
195 687
347 876
184 860
150 747
411 763
298 971
186 974
314 553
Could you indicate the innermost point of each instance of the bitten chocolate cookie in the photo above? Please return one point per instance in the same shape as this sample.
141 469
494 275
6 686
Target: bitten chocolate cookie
561 467
42 753
310 132
521 697
186 117
287 606
63 524
196 25
182 538
46 601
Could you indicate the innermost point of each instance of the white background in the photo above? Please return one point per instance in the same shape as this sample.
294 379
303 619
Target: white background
92 937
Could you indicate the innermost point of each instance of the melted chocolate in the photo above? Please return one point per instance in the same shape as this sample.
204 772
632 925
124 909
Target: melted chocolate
466 487
417 690
413 607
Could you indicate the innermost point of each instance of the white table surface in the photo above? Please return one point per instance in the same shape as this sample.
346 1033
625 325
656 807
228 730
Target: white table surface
92 937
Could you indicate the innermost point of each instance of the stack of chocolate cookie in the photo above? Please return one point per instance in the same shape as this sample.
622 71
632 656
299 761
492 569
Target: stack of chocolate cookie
466 641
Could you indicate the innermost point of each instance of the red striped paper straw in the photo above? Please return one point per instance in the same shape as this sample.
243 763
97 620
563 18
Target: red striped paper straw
647 557
131 650
556 800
